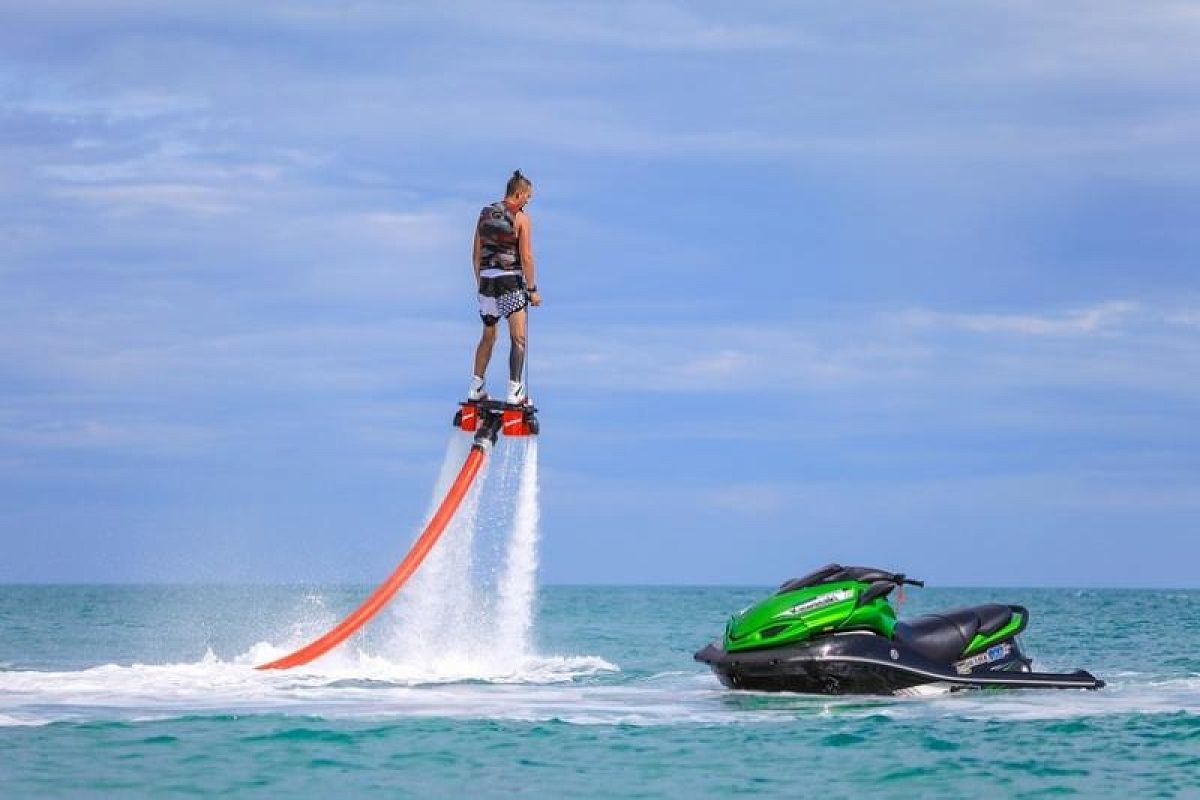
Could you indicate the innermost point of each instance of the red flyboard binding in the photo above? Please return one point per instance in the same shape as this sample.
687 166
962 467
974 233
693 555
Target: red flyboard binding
515 419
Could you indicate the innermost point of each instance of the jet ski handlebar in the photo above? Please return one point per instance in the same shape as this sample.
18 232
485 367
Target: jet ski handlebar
833 573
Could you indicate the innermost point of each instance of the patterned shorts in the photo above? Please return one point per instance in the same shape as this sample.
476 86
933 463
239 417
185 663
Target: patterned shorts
501 295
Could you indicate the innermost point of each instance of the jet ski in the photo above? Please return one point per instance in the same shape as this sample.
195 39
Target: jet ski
835 631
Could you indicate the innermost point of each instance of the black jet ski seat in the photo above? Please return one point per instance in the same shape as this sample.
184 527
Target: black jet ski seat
944 636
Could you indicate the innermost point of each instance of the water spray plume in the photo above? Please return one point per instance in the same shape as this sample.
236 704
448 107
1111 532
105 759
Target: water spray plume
384 593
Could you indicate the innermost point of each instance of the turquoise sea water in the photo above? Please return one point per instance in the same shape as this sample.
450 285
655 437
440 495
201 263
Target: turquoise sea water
149 691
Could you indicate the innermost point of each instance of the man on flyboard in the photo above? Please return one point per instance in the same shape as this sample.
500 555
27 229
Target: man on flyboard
507 283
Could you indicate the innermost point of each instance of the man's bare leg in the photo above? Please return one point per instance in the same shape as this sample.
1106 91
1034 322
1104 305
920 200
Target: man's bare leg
483 352
516 350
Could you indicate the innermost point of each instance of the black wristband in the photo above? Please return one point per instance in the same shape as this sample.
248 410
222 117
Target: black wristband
532 290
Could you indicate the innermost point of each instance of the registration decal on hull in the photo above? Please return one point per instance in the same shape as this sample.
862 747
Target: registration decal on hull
993 653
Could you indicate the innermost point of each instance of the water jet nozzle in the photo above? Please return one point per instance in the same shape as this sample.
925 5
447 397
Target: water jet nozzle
489 429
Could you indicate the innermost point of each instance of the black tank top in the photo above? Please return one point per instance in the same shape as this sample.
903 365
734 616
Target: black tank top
497 230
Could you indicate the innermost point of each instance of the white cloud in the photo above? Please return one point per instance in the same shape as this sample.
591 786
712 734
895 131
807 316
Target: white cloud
652 26
750 499
889 354
117 435
1189 319
1110 39
124 199
425 230
561 88
163 165
125 106
1096 319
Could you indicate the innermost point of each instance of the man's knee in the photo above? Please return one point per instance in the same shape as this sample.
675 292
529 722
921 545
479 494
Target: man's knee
518 341
489 334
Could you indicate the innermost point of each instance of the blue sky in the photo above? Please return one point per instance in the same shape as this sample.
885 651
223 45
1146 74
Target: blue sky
905 285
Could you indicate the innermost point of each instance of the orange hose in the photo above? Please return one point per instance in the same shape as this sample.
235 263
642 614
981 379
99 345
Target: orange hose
386 590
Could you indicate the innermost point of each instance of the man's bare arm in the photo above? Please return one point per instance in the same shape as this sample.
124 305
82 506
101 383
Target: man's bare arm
475 250
525 247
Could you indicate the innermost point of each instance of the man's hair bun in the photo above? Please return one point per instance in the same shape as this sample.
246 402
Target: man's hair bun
516 183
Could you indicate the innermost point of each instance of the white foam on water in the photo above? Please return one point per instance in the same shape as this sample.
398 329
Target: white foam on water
1128 694
357 686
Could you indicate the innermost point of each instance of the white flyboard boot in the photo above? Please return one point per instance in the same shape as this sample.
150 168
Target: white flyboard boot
517 395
